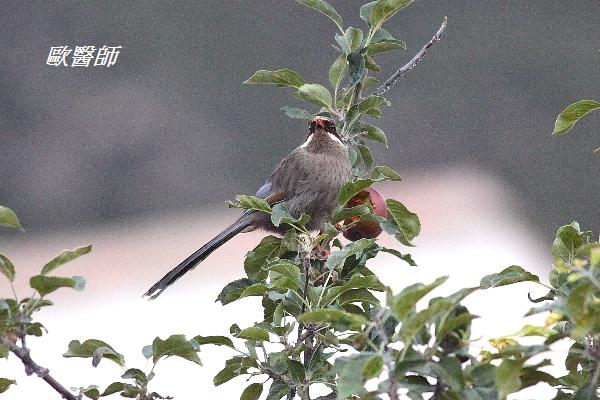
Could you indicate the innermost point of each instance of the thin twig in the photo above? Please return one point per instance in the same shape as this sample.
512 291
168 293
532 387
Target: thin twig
31 367
412 63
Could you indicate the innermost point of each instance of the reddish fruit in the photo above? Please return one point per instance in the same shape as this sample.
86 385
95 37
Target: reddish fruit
361 229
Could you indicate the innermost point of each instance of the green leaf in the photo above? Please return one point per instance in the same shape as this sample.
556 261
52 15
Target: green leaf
532 330
280 78
258 289
450 371
407 222
371 65
5 384
252 392
91 392
349 189
147 351
354 371
458 322
357 295
365 155
385 45
113 388
588 391
175 346
254 333
48 284
337 71
365 12
216 340
324 8
508 377
252 203
316 94
256 259
65 257
296 371
135 374
404 257
95 349
9 219
373 367
227 373
356 66
7 268
373 133
381 172
343 213
233 290
415 322
404 302
361 108
337 258
281 215
573 113
4 351
370 282
383 10
296 113
569 239
507 276
339 318
353 38
369 81
286 269
36 329
277 390
484 374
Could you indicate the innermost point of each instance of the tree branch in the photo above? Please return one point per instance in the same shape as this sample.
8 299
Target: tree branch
412 63
31 367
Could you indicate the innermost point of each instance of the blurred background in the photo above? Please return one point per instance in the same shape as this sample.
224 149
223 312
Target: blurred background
139 158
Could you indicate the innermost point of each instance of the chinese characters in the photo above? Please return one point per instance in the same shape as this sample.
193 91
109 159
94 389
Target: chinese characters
83 56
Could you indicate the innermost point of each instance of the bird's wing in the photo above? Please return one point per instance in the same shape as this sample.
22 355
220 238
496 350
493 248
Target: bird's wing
265 190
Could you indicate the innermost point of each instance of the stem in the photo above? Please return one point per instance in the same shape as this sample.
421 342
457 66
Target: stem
303 389
387 356
357 90
412 63
324 287
31 367
12 287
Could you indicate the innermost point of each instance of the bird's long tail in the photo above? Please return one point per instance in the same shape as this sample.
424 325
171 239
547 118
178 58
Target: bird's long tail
189 263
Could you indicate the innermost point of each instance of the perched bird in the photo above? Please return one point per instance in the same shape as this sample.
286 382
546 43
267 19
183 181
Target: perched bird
307 181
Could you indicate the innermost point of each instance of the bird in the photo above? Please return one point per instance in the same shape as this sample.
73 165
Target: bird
307 181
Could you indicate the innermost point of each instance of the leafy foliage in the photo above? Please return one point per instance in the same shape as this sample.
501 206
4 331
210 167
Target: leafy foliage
572 114
328 321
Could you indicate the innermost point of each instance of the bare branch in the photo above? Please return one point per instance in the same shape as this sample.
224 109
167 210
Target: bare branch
412 63
31 367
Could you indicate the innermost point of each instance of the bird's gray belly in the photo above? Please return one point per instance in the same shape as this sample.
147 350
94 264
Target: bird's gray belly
317 197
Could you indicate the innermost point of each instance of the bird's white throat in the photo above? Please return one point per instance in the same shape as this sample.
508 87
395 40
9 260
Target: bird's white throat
331 136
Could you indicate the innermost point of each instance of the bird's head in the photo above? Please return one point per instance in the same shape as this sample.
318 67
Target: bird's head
322 129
